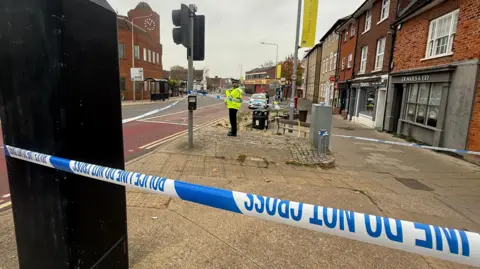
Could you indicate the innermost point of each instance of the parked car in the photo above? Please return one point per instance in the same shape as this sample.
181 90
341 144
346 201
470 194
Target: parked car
258 100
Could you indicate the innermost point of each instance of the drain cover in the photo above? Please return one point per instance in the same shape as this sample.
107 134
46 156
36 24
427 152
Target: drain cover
414 184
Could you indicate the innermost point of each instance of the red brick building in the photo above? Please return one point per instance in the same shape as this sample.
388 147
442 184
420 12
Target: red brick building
147 49
348 39
433 87
371 61
258 79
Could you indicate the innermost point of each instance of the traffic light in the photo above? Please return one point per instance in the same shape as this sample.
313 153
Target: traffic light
180 18
199 38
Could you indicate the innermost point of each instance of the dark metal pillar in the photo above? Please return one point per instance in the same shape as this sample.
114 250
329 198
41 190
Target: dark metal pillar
59 95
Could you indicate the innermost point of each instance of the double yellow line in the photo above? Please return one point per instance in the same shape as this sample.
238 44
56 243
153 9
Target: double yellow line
176 135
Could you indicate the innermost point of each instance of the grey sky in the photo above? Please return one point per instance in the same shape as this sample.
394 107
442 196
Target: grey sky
235 28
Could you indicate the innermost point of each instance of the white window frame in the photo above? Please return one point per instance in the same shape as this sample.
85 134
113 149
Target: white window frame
149 56
379 57
153 57
137 52
432 40
145 54
352 30
363 59
334 61
345 37
368 21
343 63
350 59
331 62
385 10
158 58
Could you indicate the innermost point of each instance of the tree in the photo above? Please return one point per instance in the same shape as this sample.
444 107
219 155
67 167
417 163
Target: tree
268 64
177 68
173 82
287 69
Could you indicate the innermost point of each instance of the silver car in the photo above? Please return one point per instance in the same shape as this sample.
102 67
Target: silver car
258 100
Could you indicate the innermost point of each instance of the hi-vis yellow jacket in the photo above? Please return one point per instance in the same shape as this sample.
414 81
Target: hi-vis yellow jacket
237 96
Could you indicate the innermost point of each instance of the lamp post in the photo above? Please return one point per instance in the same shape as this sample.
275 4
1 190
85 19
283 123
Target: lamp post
272 44
133 50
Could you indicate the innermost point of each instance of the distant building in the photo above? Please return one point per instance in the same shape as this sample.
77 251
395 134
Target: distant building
147 50
312 63
258 79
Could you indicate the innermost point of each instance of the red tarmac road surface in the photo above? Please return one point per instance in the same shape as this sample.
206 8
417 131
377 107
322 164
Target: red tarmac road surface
137 134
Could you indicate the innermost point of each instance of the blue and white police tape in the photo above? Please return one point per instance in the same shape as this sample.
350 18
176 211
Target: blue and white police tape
217 97
444 243
459 151
155 111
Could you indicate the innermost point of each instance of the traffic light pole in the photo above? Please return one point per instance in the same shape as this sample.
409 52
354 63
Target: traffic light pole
190 74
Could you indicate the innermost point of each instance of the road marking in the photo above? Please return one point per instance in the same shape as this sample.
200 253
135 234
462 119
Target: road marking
180 112
5 205
176 135
164 122
6 195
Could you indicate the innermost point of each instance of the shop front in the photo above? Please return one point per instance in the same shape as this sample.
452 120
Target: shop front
343 91
432 105
367 101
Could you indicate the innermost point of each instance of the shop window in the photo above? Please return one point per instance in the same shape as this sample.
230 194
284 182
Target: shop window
423 103
368 108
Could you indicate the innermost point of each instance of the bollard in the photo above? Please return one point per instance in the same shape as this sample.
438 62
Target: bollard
322 147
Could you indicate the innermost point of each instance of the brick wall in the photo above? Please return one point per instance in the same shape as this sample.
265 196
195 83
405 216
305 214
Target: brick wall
370 37
473 142
347 47
150 70
411 41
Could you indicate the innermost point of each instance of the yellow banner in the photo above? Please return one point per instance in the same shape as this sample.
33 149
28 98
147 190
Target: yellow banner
309 28
279 71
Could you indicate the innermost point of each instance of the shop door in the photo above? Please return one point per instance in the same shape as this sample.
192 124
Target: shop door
258 88
397 105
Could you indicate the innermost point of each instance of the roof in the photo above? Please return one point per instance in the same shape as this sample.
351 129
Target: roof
143 5
312 49
334 27
260 69
125 24
345 24
414 8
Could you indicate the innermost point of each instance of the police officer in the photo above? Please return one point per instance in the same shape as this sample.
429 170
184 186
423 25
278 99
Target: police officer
234 104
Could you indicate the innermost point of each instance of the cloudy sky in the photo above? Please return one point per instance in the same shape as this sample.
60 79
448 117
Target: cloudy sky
235 28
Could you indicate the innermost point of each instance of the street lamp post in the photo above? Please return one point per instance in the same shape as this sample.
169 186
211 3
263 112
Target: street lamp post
272 44
133 50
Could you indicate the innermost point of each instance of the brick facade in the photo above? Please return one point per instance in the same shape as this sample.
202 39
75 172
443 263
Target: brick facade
348 41
411 40
146 39
370 37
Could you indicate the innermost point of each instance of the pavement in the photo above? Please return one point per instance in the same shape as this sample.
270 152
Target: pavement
387 180
142 136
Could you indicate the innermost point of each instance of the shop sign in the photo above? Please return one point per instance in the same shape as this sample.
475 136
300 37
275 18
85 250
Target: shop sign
332 79
415 78
377 83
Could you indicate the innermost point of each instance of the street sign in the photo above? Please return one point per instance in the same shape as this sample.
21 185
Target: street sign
136 74
282 79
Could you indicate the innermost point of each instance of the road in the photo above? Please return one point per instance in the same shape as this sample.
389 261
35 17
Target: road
142 136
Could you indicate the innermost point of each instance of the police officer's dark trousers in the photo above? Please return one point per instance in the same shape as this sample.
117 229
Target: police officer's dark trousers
232 113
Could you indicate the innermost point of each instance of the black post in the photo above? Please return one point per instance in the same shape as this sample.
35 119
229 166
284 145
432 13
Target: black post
59 95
